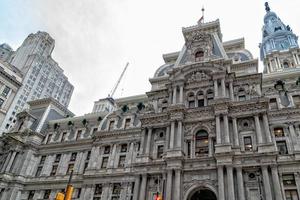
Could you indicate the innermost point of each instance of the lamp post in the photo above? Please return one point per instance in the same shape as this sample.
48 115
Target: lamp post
279 86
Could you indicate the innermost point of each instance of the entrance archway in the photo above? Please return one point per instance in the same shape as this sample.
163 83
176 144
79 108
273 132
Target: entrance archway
203 194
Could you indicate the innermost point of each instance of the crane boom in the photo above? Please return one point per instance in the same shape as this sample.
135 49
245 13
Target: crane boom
118 82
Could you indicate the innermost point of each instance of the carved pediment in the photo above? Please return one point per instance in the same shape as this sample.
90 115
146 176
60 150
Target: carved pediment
197 76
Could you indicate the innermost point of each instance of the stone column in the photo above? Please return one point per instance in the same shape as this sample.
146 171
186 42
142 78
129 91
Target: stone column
167 142
7 159
223 87
174 94
258 129
240 183
276 183
230 183
143 187
142 147
181 94
226 129
221 193
26 161
231 91
112 156
147 152
177 188
136 188
12 158
172 137
210 147
216 88
169 185
235 132
192 148
218 130
267 129
179 135
266 181
295 59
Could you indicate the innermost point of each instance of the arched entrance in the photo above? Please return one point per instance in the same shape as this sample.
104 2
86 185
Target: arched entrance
203 194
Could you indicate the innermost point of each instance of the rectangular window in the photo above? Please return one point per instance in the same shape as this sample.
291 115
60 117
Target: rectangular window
49 138
70 168
106 149
77 193
73 156
88 156
30 195
124 148
191 104
78 136
127 123
281 146
160 151
42 161
57 158
64 135
288 180
104 162
98 189
5 91
291 195
53 171
116 189
200 102
111 125
242 98
248 143
86 164
122 161
47 194
38 171
1 102
273 104
189 148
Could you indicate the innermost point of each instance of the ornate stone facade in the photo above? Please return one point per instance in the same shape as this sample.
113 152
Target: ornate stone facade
211 127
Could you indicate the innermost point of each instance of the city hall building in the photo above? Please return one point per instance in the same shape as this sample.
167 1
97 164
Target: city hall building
211 128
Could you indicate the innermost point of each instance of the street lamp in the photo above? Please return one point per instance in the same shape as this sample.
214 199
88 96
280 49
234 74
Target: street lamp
279 86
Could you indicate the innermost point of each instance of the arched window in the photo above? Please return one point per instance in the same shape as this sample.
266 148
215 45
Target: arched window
199 54
209 96
200 98
285 64
201 147
191 100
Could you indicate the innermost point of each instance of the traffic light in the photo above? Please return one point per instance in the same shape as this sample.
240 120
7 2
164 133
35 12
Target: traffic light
69 192
60 196
158 197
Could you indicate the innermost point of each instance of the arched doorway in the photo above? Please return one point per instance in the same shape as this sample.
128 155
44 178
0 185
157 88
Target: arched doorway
203 194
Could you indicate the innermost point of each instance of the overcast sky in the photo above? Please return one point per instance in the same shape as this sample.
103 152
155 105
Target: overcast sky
95 38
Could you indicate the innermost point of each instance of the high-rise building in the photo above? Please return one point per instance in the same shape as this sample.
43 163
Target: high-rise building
42 76
10 82
211 128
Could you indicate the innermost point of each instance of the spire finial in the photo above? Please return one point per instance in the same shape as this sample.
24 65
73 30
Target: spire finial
267 7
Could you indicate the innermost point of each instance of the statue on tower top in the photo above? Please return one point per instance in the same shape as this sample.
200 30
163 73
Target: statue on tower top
267 7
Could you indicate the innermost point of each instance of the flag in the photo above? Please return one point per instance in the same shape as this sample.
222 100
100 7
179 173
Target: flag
201 20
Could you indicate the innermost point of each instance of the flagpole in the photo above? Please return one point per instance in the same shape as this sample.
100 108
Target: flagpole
203 13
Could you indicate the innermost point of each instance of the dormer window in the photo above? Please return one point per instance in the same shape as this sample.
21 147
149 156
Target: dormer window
285 64
278 28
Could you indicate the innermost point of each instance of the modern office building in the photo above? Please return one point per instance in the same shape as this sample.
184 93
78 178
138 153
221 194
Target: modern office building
42 76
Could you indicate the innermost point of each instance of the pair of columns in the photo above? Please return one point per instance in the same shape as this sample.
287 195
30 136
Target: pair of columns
176 135
296 59
230 183
9 161
266 129
223 88
226 129
175 94
275 181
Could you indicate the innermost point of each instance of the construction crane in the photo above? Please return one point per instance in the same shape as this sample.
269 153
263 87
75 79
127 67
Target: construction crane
112 92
